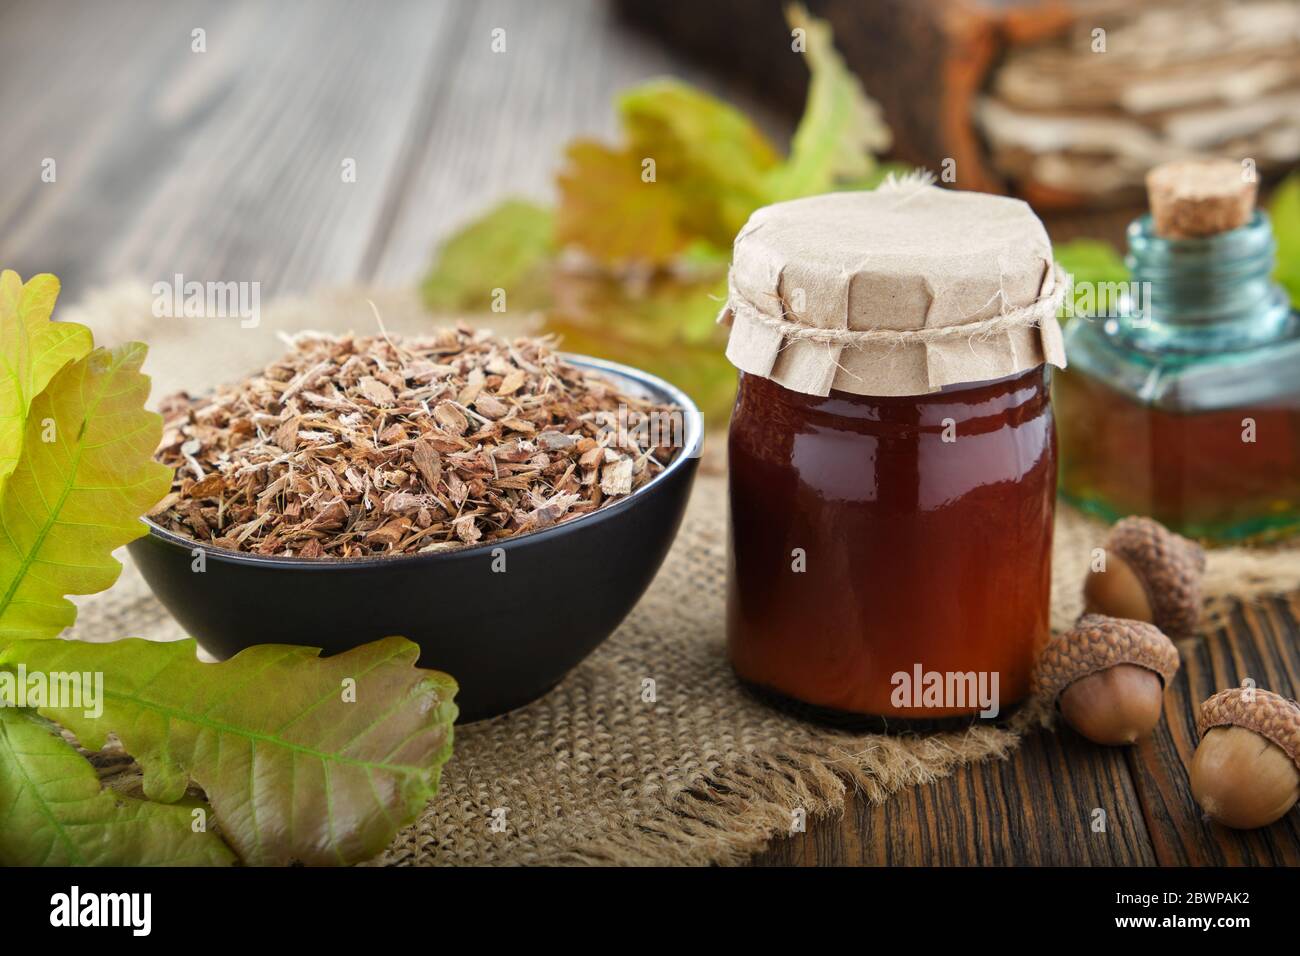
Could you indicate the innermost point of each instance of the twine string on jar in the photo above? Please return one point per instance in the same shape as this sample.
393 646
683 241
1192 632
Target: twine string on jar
1036 313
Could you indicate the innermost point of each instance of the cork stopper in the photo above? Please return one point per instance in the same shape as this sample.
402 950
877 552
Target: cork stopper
1200 197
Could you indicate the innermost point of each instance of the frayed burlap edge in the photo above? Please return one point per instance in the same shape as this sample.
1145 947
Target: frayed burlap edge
735 812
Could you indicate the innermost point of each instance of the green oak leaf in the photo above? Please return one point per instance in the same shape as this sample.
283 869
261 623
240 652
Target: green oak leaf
1091 260
510 248
84 477
55 812
691 170
1284 210
841 127
32 349
610 213
710 156
302 758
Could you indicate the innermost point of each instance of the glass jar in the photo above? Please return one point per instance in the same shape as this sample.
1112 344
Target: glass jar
1185 404
873 537
893 455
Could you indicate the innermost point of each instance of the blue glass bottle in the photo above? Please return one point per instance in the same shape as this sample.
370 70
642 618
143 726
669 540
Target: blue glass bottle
1185 403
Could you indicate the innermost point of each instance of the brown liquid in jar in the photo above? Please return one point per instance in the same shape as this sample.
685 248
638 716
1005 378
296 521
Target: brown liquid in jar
918 551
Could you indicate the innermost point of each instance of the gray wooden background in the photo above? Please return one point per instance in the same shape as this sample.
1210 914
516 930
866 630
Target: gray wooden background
227 164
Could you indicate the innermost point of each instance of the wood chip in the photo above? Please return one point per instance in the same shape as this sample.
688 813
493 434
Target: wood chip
209 487
427 462
286 436
512 382
616 477
451 418
310 549
466 529
377 391
490 407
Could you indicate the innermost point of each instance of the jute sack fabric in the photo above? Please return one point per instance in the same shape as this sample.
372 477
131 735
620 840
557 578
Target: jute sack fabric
594 773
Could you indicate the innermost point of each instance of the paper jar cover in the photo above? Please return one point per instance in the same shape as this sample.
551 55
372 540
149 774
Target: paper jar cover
903 258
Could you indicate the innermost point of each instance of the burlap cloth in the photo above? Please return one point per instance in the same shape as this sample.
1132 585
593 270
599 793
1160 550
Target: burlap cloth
591 773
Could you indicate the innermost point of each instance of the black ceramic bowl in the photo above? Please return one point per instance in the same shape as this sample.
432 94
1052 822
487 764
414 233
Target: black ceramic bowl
507 637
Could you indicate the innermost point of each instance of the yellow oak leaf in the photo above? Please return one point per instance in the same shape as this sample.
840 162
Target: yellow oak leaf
84 477
32 349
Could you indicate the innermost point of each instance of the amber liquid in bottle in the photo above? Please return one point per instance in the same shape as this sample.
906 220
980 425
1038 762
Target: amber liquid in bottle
1199 472
875 536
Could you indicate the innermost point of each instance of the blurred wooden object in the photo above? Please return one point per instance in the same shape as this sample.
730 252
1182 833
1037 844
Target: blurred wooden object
1064 102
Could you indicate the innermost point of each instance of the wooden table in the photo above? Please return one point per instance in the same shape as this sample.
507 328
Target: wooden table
227 165
1039 806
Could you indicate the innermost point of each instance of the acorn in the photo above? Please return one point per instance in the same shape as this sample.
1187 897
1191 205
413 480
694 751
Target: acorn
1246 770
1107 676
1150 574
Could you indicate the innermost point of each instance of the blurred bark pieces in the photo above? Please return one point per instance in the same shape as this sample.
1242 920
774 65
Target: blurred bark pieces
355 446
1176 80
1013 93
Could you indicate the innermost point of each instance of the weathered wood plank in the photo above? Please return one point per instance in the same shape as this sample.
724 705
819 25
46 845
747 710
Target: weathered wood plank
72 87
1037 808
221 165
1281 616
500 121
1159 768
1251 643
227 164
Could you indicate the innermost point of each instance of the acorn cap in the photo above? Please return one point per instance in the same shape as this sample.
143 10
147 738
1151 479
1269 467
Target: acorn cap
1170 569
1098 642
1272 716
1200 197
